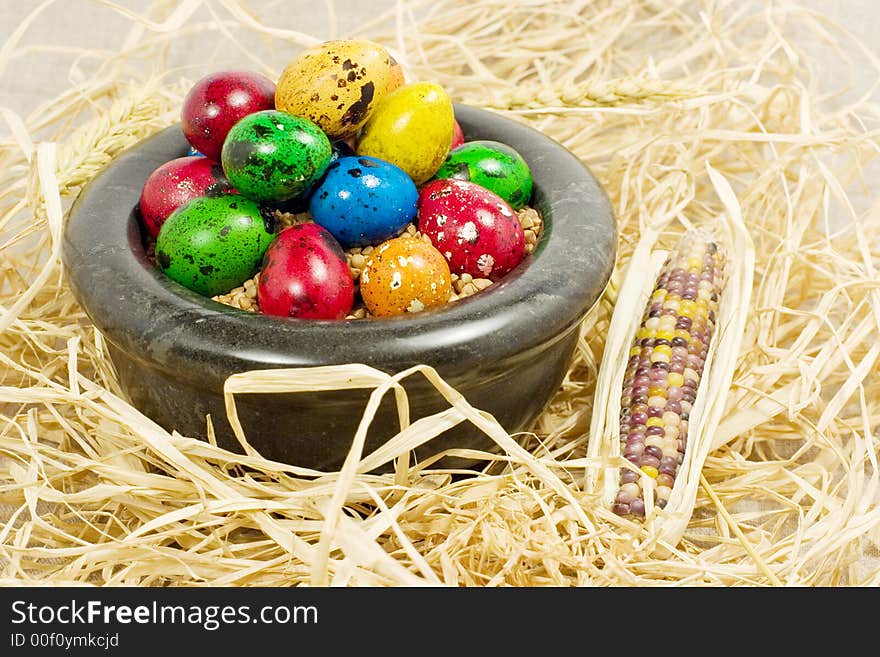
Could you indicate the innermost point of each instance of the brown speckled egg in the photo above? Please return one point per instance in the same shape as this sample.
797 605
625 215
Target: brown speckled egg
335 84
405 275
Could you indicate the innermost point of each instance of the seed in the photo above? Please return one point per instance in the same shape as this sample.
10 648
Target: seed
482 283
650 470
663 492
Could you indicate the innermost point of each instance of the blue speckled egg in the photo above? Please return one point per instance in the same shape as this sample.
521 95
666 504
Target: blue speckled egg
364 201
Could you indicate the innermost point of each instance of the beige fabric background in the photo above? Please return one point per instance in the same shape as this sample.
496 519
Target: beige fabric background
78 24
73 25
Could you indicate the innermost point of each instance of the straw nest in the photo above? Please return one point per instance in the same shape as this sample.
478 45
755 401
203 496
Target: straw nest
687 117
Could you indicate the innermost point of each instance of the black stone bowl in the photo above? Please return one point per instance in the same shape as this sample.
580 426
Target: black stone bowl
505 349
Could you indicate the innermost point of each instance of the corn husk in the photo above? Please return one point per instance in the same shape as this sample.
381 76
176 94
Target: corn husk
666 526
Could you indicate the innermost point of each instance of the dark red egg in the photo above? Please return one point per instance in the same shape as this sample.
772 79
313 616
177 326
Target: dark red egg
217 101
457 135
305 275
176 182
476 230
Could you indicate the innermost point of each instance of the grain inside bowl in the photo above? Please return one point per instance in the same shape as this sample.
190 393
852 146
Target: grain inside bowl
244 296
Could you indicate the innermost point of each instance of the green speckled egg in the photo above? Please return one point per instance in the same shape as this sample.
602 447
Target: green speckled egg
213 244
493 165
274 156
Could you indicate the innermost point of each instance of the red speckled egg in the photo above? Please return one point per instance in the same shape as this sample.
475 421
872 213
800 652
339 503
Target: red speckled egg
476 230
457 135
176 182
305 275
217 101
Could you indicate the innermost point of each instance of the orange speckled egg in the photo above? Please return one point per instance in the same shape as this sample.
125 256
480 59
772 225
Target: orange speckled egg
397 78
405 275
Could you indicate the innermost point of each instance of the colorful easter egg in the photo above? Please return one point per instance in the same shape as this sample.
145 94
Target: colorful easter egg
496 166
396 79
476 230
457 135
364 200
274 156
338 148
217 102
305 275
335 84
412 128
405 275
176 182
214 243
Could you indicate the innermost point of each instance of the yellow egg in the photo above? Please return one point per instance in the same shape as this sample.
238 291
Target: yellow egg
335 84
405 275
412 128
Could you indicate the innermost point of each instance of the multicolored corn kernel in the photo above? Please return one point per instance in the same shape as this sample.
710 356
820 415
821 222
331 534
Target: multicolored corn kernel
664 369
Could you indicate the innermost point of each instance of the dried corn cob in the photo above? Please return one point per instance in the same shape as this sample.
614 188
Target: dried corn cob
664 369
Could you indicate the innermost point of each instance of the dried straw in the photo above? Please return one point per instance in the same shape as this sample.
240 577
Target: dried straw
686 117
